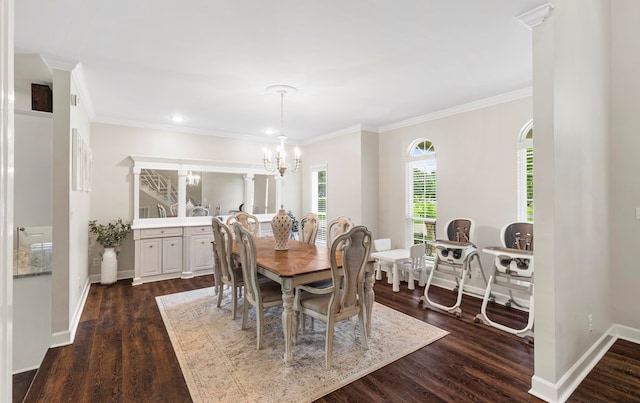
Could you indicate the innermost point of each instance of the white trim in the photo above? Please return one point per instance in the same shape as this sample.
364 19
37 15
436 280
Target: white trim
482 103
562 390
121 275
59 63
7 98
341 132
536 16
191 130
66 337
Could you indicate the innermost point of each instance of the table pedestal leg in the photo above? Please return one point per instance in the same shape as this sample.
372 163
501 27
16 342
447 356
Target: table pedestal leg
288 318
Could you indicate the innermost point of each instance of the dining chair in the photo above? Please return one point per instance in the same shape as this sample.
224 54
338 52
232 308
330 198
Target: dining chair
416 267
199 211
260 294
344 298
225 272
309 228
162 212
337 227
379 266
248 222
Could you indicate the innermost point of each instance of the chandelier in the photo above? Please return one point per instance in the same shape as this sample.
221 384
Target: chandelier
193 179
279 163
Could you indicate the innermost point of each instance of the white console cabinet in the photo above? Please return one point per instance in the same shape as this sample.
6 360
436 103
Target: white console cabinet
198 250
158 254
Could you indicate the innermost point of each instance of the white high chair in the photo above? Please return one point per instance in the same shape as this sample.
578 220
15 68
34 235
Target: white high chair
513 270
453 259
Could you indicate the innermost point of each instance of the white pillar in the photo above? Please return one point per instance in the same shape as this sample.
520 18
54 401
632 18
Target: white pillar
248 193
6 199
136 194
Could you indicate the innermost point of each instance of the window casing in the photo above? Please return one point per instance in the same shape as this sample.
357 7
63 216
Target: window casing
525 173
421 193
319 201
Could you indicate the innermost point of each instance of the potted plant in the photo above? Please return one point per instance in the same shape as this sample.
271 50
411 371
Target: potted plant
294 225
110 236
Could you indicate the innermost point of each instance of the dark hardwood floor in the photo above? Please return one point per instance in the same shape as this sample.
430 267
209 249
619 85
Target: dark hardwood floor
122 353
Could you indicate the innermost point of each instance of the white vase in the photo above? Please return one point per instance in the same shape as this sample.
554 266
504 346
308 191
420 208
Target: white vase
281 227
109 266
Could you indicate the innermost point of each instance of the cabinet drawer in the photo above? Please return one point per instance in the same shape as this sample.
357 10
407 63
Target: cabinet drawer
204 229
160 232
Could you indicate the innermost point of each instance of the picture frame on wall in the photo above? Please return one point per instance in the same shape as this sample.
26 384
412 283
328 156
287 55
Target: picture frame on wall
81 163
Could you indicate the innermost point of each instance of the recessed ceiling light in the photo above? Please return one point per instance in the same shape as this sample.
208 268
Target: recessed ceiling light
270 131
177 119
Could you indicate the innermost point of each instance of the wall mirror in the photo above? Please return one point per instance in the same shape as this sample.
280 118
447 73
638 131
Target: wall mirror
176 190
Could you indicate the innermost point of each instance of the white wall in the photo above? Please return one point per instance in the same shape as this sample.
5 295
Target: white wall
32 187
476 174
32 324
343 158
112 194
571 123
625 164
70 213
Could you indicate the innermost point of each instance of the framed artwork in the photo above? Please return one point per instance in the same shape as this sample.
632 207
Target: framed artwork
81 162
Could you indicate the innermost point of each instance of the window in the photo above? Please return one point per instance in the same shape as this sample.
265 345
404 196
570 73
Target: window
525 173
421 209
319 201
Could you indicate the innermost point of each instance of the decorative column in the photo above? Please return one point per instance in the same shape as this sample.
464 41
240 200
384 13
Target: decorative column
136 194
182 192
248 193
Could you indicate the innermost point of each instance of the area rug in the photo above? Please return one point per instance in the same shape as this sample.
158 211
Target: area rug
220 362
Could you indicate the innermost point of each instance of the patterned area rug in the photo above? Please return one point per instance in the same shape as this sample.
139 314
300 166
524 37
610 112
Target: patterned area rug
220 362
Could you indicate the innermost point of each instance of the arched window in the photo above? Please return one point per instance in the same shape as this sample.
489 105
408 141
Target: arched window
525 172
421 194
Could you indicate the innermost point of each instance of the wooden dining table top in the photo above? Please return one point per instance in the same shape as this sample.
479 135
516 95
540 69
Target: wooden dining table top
300 258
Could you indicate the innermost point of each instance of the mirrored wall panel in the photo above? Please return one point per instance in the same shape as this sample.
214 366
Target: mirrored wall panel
158 193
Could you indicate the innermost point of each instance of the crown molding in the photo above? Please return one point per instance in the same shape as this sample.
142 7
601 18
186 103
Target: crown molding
341 132
536 16
483 103
59 63
185 129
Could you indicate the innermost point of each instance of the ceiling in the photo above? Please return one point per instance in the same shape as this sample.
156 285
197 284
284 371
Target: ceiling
355 62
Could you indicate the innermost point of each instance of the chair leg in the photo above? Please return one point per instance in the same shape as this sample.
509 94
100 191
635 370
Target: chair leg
410 281
259 330
234 302
220 292
363 331
245 314
329 343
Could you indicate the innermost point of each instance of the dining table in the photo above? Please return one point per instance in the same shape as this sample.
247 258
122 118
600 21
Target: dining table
302 263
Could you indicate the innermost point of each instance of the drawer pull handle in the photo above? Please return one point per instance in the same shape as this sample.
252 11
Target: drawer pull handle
162 232
172 244
150 246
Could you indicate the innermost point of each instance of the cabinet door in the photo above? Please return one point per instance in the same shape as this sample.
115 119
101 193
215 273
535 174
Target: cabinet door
151 259
172 255
201 252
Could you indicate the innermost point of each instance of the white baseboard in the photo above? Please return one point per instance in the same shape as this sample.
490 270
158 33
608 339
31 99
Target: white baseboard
122 275
562 390
66 337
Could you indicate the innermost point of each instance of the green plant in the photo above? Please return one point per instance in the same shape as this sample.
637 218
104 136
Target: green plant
111 234
294 221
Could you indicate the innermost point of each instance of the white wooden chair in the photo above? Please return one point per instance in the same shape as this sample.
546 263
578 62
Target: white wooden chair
248 222
225 272
337 227
379 266
260 294
344 298
309 228
416 268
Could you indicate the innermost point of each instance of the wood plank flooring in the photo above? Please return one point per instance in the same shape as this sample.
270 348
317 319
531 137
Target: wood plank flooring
122 353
